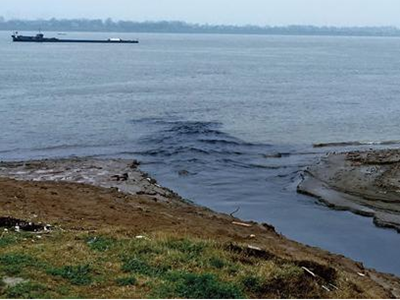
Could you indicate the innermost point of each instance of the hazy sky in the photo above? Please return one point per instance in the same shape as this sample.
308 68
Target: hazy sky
260 12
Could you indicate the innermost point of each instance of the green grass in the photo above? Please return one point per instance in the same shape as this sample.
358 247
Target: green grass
12 264
100 243
252 284
114 265
77 275
191 248
126 281
197 286
139 266
217 263
7 240
28 290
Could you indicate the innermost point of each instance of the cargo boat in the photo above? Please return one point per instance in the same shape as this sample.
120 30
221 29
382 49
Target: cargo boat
39 38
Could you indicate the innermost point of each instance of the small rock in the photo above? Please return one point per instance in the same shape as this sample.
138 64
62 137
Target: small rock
123 177
135 164
151 180
269 227
13 281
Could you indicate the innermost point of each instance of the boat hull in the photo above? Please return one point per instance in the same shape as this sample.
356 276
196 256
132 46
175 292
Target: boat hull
27 39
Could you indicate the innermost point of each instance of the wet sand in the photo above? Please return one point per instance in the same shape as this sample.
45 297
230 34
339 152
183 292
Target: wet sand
365 183
91 194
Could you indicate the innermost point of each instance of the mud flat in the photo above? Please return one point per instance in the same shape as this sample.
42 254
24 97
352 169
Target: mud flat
119 174
365 183
81 197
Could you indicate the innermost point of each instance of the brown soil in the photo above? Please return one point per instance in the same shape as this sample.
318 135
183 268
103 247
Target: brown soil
85 195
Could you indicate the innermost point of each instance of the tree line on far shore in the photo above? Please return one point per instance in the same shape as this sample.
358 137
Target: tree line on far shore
110 25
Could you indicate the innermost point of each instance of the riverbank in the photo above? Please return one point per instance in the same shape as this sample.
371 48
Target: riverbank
116 233
365 183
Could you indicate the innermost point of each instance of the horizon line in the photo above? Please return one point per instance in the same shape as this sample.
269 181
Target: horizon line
4 19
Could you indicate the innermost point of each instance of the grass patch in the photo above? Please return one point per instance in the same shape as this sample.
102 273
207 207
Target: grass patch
287 281
14 263
139 266
217 263
28 290
77 275
100 243
7 240
126 281
252 284
67 264
197 286
194 249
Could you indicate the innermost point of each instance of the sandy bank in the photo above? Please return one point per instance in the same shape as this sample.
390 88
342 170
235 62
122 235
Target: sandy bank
366 183
93 195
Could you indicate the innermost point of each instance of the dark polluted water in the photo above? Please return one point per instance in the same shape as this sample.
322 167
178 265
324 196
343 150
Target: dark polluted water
217 170
204 164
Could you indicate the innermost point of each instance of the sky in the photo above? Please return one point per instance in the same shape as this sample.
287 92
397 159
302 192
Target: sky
236 12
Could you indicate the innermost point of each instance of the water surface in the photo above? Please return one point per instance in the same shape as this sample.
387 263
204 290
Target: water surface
219 107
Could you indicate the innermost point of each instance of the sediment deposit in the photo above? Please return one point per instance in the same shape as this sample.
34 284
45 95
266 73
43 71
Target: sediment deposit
366 183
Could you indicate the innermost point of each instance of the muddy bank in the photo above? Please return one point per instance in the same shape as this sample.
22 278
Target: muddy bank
85 195
119 174
366 183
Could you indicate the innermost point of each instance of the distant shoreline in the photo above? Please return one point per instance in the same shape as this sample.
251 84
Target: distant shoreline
86 25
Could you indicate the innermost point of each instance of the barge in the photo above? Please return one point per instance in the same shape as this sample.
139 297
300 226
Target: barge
39 38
